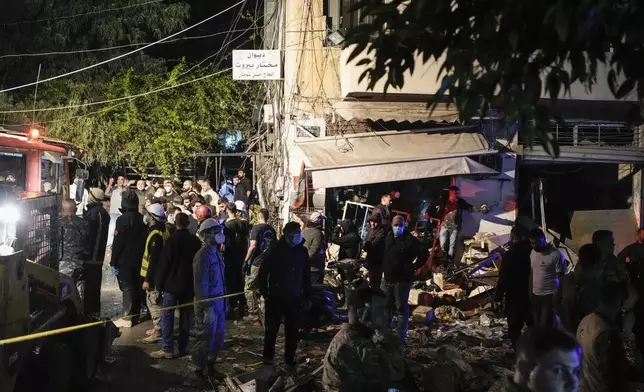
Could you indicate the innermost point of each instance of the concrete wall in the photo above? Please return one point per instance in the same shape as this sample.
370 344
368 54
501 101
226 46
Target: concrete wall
499 193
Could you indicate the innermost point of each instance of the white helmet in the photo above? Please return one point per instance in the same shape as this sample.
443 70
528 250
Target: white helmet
241 206
212 224
209 224
156 210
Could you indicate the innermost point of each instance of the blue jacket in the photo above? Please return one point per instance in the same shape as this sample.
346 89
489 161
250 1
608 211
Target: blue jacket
227 191
208 269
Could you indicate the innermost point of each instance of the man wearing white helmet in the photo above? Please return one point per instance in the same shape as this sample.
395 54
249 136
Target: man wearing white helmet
209 276
154 217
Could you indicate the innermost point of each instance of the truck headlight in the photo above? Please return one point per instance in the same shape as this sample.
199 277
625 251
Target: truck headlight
9 214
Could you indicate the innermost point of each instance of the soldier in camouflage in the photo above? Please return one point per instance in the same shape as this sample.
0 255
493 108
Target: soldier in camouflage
353 361
75 235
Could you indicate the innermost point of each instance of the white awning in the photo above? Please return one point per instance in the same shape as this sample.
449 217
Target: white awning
392 156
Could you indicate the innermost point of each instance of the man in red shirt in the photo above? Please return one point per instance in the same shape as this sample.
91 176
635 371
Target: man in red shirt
452 213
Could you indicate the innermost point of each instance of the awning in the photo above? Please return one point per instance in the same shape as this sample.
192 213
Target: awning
392 156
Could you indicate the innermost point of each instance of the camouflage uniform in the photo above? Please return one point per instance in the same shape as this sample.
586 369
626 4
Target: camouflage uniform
75 235
354 363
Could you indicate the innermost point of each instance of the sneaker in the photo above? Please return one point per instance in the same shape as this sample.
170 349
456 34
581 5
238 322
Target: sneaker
151 331
161 355
123 323
155 337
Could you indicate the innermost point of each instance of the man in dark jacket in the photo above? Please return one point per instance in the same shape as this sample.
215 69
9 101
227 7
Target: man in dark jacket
403 255
348 238
375 247
451 211
514 285
237 231
127 253
174 278
384 209
632 256
315 244
157 235
99 223
285 283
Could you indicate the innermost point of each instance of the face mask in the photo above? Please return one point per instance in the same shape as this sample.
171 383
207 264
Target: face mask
145 219
220 238
167 189
295 239
398 230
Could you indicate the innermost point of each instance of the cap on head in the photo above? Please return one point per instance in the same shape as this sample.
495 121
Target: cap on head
240 205
316 217
209 224
96 195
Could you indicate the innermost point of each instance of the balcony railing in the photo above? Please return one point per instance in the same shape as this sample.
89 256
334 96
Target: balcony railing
598 135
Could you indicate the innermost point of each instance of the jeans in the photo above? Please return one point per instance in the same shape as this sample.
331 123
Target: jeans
130 285
543 312
210 325
153 299
167 322
398 306
448 238
110 235
275 311
253 299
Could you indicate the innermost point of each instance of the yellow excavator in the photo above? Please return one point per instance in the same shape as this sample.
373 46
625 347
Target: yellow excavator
35 296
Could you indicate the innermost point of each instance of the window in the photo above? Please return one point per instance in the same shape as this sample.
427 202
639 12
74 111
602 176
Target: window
340 17
13 168
50 169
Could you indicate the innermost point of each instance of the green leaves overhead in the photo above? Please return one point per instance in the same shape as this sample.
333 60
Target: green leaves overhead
496 53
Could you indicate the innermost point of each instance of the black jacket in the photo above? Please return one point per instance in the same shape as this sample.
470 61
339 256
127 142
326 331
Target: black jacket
403 256
375 244
174 272
99 225
155 247
130 234
349 242
384 212
514 277
315 244
284 275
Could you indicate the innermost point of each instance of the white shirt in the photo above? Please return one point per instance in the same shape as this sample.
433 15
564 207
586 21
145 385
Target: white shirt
80 207
213 195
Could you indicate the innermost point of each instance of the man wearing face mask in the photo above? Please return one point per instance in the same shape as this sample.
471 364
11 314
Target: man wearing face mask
548 360
209 274
403 255
285 284
157 235
168 188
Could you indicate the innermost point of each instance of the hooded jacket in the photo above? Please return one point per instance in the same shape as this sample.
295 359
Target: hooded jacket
99 223
403 255
130 234
349 242
208 276
514 277
285 275
375 243
174 272
315 244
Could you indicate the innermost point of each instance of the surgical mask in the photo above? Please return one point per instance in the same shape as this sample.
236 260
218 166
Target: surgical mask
145 219
167 189
220 238
398 230
294 239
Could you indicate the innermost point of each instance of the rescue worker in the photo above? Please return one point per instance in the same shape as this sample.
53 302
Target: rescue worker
604 361
76 242
210 316
127 252
174 278
578 293
99 224
348 239
513 287
375 248
548 265
547 360
353 361
262 238
315 244
202 213
633 257
285 284
237 231
157 235
403 256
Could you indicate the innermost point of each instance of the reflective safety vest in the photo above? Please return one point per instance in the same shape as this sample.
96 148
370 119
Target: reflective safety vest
145 263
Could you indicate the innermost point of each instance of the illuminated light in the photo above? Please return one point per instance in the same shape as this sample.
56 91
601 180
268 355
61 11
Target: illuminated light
9 214
34 133
6 250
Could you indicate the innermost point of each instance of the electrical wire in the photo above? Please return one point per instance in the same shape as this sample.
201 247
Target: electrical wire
158 90
124 54
113 47
84 14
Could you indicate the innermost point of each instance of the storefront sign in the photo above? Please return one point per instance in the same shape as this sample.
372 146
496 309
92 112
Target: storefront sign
256 64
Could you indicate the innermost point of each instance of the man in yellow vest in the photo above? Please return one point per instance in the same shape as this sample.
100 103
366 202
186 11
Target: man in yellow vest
154 216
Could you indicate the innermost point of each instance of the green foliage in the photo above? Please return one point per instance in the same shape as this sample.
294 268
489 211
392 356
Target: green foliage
161 130
493 53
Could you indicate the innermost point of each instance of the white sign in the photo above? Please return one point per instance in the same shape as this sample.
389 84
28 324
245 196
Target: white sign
256 64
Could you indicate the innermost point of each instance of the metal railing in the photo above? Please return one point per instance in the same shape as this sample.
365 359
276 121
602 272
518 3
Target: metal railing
39 233
598 135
